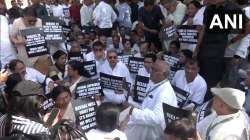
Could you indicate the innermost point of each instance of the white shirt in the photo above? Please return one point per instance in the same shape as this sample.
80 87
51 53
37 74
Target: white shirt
86 14
198 18
229 130
124 18
120 70
35 76
96 134
91 56
197 88
7 51
143 72
58 11
245 42
104 15
178 14
151 112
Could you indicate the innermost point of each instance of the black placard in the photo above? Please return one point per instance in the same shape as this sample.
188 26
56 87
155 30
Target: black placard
35 42
172 113
48 104
88 88
169 32
75 56
135 63
53 30
85 112
124 58
204 110
188 34
90 67
173 63
112 82
182 96
140 87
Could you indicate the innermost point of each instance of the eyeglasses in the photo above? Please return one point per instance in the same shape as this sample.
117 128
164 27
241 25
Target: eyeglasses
112 57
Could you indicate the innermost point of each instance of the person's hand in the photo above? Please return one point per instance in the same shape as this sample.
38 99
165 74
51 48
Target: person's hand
20 42
168 23
3 76
153 31
196 51
190 21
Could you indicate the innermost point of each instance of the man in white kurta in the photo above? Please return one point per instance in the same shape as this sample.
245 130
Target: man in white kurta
190 81
116 68
228 122
7 52
147 122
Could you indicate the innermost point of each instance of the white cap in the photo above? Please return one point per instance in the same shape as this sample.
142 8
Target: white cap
233 97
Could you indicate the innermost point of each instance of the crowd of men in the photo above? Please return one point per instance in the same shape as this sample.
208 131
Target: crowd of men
123 70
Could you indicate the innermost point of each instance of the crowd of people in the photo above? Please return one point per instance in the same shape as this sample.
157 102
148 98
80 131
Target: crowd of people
214 71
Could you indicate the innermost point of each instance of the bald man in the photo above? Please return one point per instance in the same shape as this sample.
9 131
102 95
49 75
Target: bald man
148 121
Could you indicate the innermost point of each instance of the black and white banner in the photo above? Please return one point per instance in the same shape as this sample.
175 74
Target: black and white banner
35 42
140 87
135 63
188 34
75 56
88 88
53 30
90 67
173 63
182 96
112 82
124 58
172 113
85 112
169 32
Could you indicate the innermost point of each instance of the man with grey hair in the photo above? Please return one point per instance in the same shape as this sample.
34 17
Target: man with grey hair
148 121
113 66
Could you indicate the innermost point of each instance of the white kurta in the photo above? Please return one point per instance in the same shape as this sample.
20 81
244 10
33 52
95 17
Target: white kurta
149 122
36 76
197 88
233 129
7 52
120 70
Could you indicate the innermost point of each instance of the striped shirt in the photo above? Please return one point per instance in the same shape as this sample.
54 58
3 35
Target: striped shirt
27 126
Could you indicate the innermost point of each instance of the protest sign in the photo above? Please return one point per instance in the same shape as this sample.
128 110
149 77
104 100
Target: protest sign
173 63
182 96
53 30
169 32
85 112
140 88
204 110
35 42
88 88
188 34
135 63
90 67
124 58
172 113
112 82
75 56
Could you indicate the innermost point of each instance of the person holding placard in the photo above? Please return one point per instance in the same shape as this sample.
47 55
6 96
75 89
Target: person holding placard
29 20
190 81
148 122
98 54
114 67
